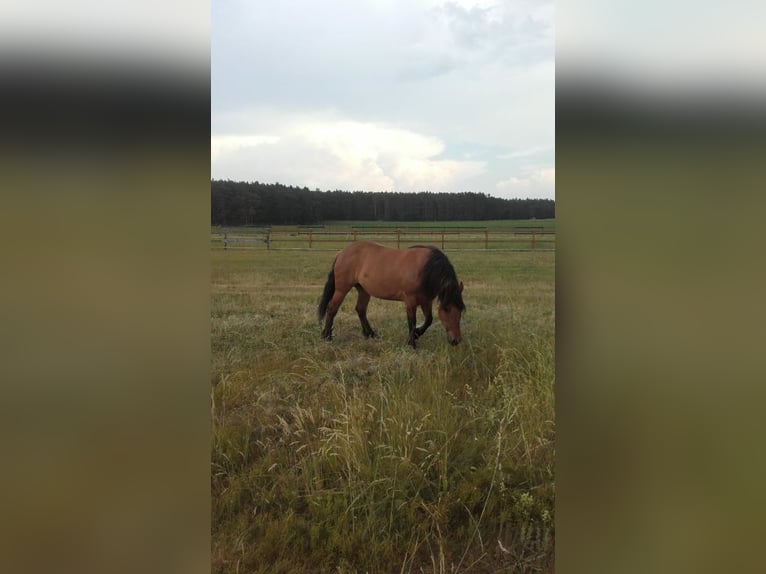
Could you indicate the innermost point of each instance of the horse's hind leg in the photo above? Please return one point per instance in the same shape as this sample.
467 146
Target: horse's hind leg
332 310
361 309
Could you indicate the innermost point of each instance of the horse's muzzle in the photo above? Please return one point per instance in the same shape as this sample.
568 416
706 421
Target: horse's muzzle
453 340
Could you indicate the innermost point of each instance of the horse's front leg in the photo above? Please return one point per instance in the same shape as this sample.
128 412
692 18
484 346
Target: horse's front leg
428 313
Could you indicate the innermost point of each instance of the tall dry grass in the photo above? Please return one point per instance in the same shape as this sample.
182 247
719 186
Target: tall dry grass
366 456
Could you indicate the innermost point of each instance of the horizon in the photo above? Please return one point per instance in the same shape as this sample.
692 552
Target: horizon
317 190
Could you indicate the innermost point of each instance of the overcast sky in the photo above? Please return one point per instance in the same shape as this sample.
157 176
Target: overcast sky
385 95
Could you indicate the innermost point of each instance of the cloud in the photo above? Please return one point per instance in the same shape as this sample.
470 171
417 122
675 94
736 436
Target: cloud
331 152
518 32
221 145
525 152
540 182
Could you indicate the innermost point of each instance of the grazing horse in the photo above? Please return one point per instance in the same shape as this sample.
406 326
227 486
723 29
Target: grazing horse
415 276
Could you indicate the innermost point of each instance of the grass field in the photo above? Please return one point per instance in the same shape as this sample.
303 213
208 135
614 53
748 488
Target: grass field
364 455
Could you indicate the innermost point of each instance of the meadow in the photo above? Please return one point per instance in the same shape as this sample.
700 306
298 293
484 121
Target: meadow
364 455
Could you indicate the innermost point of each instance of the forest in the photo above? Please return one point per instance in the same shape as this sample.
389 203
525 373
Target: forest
244 203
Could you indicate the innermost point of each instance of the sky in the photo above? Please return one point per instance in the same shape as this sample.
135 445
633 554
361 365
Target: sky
385 95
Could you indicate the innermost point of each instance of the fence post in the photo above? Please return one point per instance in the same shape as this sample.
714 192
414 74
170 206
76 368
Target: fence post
398 231
442 239
225 242
486 239
354 234
533 239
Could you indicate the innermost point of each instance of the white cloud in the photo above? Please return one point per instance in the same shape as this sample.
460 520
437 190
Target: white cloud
329 152
540 182
220 145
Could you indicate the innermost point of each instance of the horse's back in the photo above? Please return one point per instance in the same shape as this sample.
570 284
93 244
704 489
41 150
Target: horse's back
383 272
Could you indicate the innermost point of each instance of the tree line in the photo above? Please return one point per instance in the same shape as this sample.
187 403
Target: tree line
243 203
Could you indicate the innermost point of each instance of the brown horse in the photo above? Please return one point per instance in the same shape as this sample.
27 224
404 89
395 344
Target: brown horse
416 276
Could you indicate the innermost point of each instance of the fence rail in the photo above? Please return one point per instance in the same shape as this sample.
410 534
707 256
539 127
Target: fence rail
455 238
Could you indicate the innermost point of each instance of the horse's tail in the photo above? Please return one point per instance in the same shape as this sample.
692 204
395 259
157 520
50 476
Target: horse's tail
329 290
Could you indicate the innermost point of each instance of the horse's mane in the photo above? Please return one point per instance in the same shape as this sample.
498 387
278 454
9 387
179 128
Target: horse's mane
438 279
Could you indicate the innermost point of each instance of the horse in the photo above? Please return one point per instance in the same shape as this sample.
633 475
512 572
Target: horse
416 275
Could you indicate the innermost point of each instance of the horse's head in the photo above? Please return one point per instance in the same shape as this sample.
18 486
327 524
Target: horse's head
450 311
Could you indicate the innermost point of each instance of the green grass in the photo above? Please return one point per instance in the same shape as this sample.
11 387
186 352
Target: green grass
364 455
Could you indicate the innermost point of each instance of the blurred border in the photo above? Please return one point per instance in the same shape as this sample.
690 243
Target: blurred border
660 321
105 152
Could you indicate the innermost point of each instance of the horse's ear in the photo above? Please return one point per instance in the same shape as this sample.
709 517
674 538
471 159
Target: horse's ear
461 286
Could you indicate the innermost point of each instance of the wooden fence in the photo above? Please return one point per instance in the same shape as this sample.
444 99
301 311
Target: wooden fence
526 238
